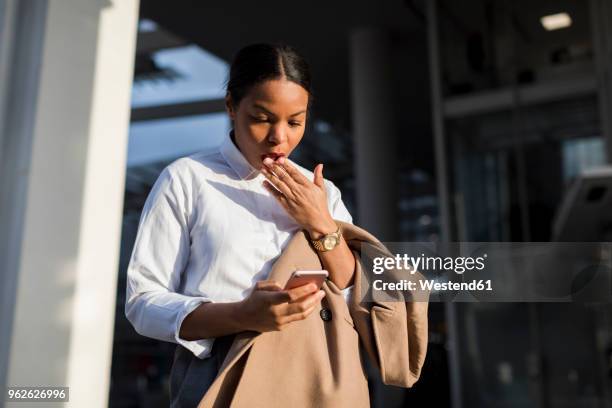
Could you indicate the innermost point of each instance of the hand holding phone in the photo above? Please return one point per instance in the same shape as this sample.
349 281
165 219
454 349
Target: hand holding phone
270 307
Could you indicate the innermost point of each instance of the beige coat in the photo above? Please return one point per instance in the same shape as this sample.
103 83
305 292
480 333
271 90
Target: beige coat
317 363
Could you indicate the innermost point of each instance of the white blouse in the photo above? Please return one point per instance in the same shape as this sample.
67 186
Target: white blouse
208 232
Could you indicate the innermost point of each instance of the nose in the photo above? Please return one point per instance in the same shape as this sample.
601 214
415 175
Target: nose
277 134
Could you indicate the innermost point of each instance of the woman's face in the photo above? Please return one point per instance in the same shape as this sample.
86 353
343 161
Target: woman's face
270 120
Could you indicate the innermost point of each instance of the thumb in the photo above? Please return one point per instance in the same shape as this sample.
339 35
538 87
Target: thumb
268 285
318 175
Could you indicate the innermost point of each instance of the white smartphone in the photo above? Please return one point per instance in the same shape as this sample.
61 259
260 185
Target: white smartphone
299 278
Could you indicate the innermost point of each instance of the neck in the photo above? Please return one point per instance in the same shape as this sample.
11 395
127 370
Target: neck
233 138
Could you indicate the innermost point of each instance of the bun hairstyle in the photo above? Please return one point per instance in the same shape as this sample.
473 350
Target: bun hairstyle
256 63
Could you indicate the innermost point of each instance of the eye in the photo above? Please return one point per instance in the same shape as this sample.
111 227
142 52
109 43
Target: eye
294 124
260 119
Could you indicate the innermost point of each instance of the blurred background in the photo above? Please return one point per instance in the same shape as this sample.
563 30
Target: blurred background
439 120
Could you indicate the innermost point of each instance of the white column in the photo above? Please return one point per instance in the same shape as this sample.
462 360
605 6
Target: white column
66 274
374 132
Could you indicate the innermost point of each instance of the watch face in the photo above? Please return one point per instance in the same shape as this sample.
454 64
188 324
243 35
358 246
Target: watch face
330 242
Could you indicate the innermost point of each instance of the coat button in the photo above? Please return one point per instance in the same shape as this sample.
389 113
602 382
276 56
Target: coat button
326 314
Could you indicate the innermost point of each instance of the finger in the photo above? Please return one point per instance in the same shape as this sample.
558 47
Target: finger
293 172
318 175
306 303
297 316
279 171
279 297
301 291
288 173
276 181
279 196
268 285
293 294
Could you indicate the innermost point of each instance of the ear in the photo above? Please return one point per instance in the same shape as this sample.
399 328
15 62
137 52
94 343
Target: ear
229 106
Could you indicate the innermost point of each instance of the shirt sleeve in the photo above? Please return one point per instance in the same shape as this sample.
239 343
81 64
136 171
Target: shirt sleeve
339 212
337 208
161 251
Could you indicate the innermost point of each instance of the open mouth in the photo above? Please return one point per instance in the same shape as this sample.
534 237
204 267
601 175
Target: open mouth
273 156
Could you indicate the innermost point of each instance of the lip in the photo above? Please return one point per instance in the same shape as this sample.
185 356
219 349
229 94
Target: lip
273 156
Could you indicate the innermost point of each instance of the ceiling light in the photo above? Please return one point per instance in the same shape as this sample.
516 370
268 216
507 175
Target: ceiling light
556 21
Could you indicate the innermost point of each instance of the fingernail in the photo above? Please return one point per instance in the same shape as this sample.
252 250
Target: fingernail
281 160
267 161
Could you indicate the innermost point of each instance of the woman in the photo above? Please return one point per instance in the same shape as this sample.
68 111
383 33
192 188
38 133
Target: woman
214 223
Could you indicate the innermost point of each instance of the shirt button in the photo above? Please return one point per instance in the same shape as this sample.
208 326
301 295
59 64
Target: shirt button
326 314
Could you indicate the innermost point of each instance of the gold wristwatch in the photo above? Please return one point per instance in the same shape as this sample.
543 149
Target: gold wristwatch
327 242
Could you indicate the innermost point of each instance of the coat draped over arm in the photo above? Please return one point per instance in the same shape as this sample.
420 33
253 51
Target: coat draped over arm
320 363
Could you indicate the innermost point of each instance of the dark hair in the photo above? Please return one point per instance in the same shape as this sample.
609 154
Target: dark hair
256 63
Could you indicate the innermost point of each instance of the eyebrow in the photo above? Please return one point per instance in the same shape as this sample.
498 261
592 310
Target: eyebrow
258 106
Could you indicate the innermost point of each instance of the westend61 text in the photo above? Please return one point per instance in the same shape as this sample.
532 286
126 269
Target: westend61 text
433 285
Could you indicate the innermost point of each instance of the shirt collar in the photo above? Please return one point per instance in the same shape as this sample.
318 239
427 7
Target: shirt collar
236 159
